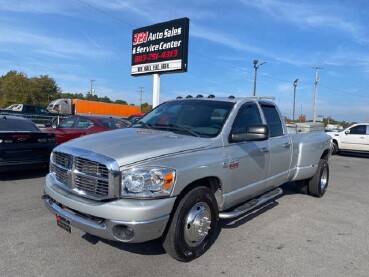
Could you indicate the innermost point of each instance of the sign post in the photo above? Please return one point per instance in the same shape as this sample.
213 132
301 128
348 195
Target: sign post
156 90
158 49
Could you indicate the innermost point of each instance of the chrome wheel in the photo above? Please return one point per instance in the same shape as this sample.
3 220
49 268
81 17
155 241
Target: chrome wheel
324 178
192 229
197 224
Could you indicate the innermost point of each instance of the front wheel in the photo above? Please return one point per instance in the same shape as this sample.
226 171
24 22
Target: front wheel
192 228
335 148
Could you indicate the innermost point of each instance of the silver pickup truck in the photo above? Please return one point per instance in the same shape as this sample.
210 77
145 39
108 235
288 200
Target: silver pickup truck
181 168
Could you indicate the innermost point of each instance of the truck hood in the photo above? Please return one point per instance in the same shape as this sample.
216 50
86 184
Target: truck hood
132 145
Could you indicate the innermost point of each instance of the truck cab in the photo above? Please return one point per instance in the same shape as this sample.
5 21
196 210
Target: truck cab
60 106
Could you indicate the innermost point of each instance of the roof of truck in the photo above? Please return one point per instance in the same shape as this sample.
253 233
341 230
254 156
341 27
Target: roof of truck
230 98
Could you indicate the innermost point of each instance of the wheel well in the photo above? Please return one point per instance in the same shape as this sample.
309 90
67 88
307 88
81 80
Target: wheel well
212 183
325 155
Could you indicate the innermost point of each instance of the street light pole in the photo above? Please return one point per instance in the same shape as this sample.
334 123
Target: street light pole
256 66
294 99
316 90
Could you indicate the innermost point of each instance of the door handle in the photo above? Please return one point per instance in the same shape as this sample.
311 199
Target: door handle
286 145
264 150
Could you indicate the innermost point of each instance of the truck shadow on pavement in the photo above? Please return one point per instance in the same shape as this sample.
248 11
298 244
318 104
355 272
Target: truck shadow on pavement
154 247
361 155
288 189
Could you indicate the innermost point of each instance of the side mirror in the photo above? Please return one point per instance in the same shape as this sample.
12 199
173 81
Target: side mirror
54 123
347 132
253 133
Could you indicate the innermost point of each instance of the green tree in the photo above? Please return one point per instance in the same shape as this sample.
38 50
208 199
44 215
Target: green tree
43 90
16 88
145 107
120 102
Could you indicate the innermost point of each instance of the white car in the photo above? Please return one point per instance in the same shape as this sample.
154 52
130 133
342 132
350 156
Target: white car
354 138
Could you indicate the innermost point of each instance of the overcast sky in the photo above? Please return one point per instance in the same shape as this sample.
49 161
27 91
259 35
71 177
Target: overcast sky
75 41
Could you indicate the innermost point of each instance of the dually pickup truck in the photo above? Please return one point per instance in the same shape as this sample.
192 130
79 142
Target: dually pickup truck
181 168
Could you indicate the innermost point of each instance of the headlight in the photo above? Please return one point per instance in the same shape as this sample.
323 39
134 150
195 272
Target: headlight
147 182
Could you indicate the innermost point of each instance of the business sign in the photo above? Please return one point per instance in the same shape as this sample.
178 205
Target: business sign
160 48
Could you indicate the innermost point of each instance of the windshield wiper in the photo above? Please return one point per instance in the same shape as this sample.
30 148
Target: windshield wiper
146 125
179 128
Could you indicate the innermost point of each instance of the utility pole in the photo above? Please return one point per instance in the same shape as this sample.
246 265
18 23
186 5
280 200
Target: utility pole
294 99
256 66
316 89
91 82
141 92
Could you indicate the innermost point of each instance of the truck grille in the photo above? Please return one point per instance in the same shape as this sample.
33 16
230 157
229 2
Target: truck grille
63 160
92 185
91 168
61 174
83 176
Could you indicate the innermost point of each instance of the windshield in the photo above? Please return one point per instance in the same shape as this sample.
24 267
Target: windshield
203 118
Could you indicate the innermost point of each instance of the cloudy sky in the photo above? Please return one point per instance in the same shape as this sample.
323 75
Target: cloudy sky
75 41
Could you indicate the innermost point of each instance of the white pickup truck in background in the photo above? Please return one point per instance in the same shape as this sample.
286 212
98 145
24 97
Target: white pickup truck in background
354 138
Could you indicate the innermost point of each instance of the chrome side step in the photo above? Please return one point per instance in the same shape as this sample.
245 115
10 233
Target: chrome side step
251 204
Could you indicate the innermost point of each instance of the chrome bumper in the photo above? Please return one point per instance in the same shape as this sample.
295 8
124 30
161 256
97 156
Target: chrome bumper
110 229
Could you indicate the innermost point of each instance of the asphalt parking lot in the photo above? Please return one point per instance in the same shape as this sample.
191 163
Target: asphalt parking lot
294 235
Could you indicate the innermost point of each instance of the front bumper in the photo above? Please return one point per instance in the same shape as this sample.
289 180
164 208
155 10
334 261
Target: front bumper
144 219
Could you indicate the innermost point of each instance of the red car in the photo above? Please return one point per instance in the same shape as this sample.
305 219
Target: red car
81 125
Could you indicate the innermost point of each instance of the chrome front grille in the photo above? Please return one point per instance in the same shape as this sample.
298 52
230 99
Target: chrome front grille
86 177
61 174
92 185
91 168
62 159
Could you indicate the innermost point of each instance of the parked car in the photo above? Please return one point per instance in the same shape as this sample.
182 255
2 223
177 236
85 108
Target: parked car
23 145
135 117
81 125
354 138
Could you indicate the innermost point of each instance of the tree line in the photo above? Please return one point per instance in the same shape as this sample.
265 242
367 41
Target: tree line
17 88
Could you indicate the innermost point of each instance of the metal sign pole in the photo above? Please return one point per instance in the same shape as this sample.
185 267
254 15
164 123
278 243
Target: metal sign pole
155 90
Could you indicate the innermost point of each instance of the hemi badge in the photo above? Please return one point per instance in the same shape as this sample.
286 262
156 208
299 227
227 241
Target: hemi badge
233 164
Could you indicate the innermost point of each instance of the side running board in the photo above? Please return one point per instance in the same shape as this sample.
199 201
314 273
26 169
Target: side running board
251 204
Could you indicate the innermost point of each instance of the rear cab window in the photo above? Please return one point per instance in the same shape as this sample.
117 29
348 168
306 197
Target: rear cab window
273 120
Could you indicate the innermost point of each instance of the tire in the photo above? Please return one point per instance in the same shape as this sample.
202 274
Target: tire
335 148
193 226
319 183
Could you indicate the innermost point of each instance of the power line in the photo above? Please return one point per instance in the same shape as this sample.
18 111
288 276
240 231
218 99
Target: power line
344 92
106 13
223 63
